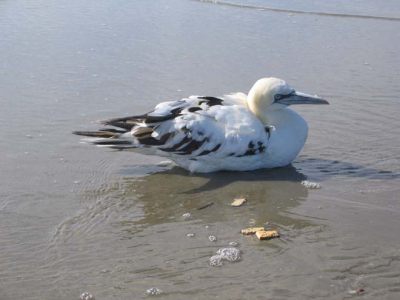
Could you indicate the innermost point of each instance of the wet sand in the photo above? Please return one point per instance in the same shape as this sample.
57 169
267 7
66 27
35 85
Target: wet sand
77 218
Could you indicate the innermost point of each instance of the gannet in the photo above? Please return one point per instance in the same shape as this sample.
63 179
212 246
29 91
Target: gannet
236 132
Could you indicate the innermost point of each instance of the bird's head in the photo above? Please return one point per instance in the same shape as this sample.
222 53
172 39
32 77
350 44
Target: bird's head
271 94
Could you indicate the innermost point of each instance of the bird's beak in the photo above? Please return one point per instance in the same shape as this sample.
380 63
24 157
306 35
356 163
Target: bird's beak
301 98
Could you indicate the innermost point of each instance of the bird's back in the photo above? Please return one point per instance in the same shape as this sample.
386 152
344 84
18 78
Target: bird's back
201 134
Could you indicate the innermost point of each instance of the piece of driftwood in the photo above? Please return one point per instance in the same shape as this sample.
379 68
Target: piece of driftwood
205 206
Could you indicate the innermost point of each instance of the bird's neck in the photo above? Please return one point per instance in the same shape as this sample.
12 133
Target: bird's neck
279 117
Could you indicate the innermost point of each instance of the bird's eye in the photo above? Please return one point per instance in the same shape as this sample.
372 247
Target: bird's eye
278 97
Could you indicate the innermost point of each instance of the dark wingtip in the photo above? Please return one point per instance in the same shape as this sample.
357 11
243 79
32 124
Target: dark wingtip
102 133
84 133
78 132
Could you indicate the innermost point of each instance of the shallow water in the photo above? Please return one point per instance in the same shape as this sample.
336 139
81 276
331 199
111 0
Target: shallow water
76 218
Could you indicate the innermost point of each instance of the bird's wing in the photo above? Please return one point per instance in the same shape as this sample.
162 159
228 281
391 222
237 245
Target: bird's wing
236 98
194 127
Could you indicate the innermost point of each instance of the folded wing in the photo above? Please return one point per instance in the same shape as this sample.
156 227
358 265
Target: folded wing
194 128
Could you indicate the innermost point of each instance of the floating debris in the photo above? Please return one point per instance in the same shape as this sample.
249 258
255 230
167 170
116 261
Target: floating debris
239 202
164 163
187 215
311 185
205 206
261 233
253 230
353 292
212 238
87 296
190 235
357 291
154 291
267 234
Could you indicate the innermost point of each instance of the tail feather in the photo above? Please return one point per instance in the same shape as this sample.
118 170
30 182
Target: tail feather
126 123
111 142
102 133
134 132
108 137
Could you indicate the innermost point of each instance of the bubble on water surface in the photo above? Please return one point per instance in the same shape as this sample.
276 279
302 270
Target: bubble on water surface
154 291
187 215
190 235
212 238
311 185
229 254
87 296
216 261
233 244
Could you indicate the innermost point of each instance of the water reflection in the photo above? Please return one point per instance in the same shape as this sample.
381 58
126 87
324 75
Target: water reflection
303 168
222 179
140 202
164 197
